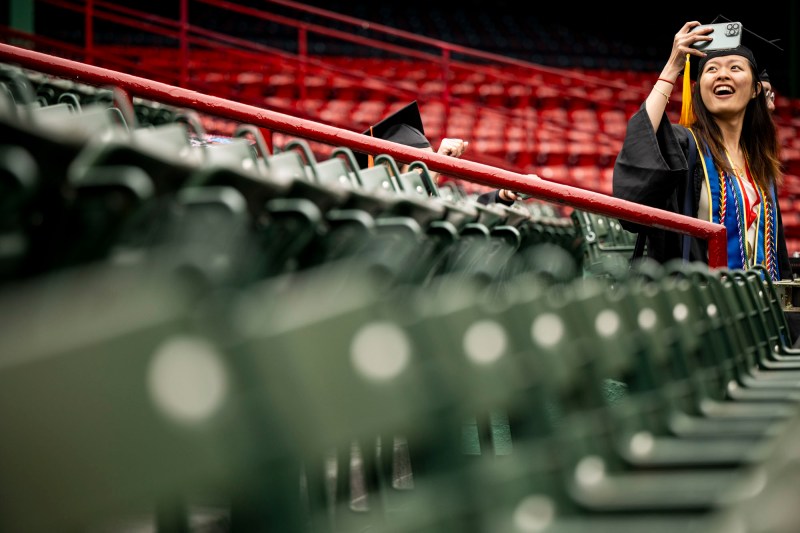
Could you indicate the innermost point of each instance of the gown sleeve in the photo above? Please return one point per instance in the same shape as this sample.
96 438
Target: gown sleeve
493 197
651 164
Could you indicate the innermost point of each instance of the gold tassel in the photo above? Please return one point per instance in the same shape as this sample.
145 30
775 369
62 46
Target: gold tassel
687 112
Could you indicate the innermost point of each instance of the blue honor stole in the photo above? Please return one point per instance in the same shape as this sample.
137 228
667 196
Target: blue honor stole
728 205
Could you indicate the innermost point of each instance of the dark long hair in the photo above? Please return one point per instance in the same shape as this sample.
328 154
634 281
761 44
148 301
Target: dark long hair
759 139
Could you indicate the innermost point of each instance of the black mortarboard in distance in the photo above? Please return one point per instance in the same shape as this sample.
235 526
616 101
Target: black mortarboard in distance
404 126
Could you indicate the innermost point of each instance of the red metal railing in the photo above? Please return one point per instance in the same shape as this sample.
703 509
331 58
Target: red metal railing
468 170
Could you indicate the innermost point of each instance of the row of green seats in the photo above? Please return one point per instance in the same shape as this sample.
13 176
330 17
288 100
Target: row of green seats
93 186
331 400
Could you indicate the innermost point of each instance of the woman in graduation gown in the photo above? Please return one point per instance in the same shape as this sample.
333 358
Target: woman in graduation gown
737 170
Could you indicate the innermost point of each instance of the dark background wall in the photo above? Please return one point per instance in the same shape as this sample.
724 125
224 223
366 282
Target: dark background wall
638 38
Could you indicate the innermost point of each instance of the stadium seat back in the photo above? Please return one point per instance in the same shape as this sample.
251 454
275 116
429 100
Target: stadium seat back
126 438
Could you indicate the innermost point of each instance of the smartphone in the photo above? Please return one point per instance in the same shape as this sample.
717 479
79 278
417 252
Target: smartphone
725 35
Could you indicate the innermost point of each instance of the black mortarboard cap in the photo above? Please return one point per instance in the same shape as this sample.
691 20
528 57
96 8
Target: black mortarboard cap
740 50
763 76
404 126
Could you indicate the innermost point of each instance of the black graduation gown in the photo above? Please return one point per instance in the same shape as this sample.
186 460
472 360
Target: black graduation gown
493 197
651 169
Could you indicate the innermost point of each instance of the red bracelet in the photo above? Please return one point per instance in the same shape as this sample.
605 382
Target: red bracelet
670 82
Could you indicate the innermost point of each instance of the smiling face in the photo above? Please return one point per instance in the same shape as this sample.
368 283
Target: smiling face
726 85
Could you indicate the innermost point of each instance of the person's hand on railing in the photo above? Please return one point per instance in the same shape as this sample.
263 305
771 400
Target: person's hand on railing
507 195
511 196
453 147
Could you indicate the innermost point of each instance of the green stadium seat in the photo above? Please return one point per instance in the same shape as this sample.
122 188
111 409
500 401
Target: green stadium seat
491 215
237 154
607 248
412 189
340 172
248 130
295 165
19 181
337 386
255 187
169 142
109 214
121 407
209 239
460 210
